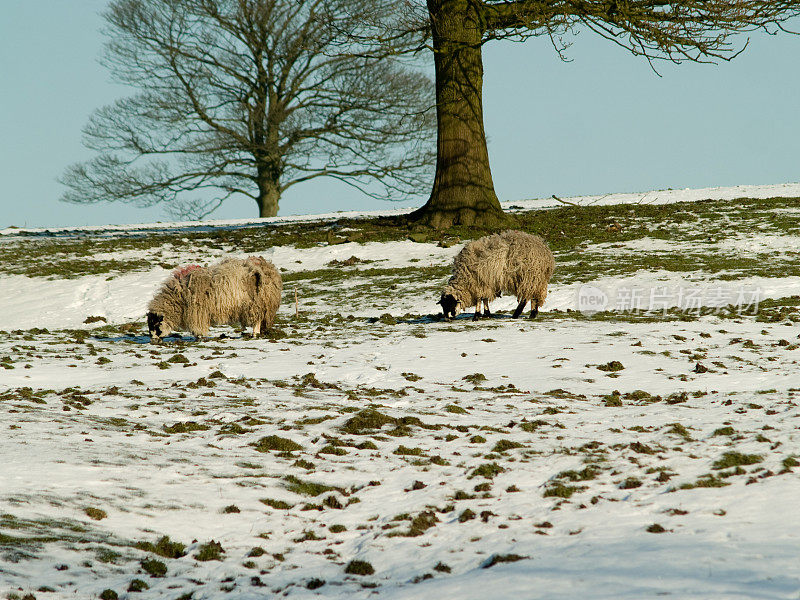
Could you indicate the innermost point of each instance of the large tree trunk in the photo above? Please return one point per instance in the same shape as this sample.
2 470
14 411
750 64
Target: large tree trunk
268 175
463 191
268 204
268 194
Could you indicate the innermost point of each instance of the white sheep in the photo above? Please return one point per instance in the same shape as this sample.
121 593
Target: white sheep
512 262
243 292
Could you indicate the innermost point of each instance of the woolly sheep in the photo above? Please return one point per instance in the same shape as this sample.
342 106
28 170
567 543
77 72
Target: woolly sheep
234 291
511 262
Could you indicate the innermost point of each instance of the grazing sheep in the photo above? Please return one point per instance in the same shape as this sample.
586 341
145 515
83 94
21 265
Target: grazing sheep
512 262
234 291
269 286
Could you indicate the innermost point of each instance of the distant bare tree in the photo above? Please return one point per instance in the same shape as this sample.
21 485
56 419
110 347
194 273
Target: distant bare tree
252 97
690 30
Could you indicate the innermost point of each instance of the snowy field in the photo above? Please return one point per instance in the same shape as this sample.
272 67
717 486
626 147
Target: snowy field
366 448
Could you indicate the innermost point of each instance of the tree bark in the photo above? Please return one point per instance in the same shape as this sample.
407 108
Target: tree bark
268 203
463 190
268 194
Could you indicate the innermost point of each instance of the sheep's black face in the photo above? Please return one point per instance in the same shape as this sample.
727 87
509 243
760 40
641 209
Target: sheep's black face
155 325
449 306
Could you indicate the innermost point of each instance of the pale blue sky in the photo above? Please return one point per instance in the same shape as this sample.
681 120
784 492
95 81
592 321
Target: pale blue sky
601 123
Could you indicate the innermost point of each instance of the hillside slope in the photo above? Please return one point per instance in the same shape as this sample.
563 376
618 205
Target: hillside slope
647 449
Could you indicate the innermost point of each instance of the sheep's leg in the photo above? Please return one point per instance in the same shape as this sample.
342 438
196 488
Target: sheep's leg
534 309
256 328
520 308
486 311
477 314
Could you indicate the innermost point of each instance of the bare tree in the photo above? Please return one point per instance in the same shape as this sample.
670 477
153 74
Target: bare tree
252 97
691 30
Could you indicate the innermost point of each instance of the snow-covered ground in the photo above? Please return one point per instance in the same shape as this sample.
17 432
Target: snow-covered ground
626 455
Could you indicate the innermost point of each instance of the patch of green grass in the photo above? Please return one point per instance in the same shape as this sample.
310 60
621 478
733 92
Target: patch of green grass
369 420
137 585
330 449
727 430
163 547
641 448
678 429
466 515
153 567
314 583
248 465
531 426
487 470
790 462
24 393
75 267
505 445
612 366
106 555
387 319
313 420
475 378
736 459
366 421
732 472
455 409
310 380
630 483
307 488
211 550
405 451
232 429
359 567
185 427
419 524
276 504
641 396
178 359
95 513
559 490
704 481
332 502
276 443
496 559
588 473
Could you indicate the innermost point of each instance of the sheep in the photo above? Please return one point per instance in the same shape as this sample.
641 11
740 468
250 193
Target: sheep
510 262
234 291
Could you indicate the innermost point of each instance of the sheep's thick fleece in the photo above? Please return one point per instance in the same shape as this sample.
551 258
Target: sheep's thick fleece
512 262
243 292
